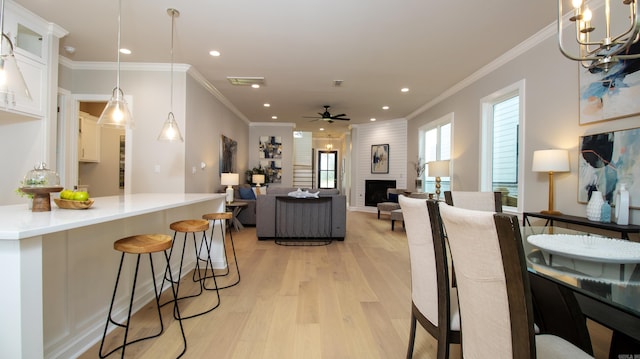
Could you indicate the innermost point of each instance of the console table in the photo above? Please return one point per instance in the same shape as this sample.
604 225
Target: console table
299 223
624 230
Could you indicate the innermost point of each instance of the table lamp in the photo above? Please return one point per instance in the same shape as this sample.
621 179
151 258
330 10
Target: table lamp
550 161
258 180
438 169
229 179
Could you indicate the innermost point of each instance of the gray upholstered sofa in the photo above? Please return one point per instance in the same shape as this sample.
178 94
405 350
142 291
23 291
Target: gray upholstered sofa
281 216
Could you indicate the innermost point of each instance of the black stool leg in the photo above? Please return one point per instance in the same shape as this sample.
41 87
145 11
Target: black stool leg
176 309
131 299
223 224
200 278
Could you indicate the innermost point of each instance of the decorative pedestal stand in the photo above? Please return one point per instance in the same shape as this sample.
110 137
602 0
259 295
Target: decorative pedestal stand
41 198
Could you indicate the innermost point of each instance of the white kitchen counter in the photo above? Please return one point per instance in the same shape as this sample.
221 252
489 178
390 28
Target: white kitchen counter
59 267
17 221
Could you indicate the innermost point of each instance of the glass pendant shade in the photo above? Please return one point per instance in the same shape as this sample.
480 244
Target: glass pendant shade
116 114
170 131
11 80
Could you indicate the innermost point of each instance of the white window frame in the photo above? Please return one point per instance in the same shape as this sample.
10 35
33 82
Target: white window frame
486 140
444 120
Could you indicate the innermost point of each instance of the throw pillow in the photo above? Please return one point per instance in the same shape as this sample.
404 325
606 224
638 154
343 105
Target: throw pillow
246 193
393 197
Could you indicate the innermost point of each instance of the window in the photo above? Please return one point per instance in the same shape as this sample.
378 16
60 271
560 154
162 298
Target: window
327 169
435 145
502 122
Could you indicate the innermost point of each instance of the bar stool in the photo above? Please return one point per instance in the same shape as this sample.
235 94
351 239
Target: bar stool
193 226
223 219
140 244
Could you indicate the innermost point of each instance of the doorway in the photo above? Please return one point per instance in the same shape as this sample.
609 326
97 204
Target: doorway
327 169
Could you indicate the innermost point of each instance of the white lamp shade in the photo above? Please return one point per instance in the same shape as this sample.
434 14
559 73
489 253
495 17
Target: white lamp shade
438 168
550 161
257 179
230 179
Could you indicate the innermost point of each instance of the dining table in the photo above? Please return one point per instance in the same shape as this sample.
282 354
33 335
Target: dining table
602 273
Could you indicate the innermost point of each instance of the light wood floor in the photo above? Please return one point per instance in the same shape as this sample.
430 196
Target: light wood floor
349 299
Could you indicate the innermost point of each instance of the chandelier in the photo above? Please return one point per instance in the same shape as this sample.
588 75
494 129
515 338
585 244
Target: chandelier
610 49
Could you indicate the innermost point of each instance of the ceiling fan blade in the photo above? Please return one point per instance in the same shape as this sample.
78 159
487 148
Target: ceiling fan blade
340 115
340 118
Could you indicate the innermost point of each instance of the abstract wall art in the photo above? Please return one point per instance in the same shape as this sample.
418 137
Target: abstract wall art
380 158
228 150
608 160
612 94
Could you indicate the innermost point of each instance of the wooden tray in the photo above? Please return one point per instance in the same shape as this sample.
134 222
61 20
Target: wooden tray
68 204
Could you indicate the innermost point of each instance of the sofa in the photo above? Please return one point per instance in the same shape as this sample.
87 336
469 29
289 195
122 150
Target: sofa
279 216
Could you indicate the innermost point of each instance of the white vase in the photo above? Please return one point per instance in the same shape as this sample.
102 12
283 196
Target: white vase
622 205
594 207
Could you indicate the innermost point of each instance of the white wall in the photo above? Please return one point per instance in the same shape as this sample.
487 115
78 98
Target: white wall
394 133
551 121
207 121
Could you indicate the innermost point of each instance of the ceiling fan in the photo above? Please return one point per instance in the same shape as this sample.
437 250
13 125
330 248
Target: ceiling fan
326 116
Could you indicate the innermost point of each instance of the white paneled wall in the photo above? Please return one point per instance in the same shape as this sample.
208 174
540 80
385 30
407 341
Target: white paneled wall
392 132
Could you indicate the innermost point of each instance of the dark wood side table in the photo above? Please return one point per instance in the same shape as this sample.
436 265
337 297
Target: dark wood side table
236 207
624 230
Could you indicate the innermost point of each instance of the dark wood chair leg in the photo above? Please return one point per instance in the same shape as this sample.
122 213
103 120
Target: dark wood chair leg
412 337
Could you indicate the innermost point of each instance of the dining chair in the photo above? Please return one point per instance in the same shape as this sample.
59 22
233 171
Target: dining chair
434 303
476 200
496 309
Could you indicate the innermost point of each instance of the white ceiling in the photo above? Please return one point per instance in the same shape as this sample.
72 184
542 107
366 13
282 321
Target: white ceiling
301 46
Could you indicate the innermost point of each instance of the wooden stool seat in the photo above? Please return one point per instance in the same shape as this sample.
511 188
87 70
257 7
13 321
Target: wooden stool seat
143 243
218 216
190 225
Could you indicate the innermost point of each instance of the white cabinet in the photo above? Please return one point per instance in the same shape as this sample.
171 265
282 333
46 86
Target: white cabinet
88 138
34 74
35 43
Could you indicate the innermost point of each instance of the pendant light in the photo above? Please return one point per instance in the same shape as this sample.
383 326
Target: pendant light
116 114
170 131
11 80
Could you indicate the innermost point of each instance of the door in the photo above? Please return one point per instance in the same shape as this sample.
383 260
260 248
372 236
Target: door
327 169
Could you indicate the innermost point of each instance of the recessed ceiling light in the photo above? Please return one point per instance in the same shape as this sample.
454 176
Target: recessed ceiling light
214 53
255 86
385 107
70 49
267 105
274 117
321 128
372 119
125 51
404 89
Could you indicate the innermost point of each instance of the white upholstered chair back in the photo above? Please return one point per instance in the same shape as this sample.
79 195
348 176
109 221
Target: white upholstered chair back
424 288
479 201
493 288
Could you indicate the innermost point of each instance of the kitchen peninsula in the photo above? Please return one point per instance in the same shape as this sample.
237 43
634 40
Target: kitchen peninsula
60 266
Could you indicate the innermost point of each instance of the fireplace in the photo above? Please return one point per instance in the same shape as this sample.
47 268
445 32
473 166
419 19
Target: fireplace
375 191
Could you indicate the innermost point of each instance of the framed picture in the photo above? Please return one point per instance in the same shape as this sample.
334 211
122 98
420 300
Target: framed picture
270 147
380 158
228 150
272 170
612 94
607 160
